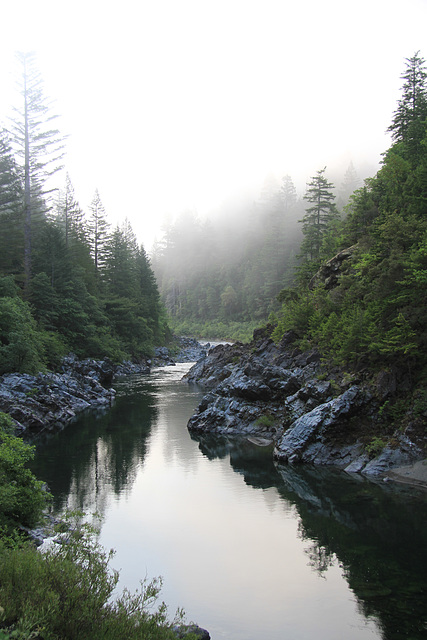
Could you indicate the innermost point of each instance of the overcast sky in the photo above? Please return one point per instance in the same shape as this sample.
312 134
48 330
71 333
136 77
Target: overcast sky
174 104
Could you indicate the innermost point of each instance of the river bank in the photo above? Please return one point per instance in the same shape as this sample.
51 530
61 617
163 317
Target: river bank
48 401
276 393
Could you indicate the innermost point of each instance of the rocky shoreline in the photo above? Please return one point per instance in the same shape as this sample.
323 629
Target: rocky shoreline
48 401
275 394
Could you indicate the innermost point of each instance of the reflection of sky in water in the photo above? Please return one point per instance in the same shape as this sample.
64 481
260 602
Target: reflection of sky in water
229 554
247 548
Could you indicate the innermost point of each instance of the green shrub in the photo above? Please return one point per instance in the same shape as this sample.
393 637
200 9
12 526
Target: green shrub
266 420
66 594
22 498
375 446
21 346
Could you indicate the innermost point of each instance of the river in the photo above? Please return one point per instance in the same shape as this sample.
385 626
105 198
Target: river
251 551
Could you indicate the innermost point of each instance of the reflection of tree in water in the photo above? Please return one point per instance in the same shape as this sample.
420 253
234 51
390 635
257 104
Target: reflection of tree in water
375 532
99 452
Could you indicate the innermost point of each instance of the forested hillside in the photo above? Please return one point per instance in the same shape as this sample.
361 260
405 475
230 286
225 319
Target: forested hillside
223 274
367 308
68 281
230 269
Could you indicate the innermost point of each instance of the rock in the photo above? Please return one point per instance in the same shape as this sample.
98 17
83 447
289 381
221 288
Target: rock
48 400
272 391
386 384
329 273
312 427
127 368
183 630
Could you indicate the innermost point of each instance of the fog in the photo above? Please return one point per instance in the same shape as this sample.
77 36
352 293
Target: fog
190 105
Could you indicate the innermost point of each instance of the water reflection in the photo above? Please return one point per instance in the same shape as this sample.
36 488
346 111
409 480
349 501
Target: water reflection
100 453
375 531
259 558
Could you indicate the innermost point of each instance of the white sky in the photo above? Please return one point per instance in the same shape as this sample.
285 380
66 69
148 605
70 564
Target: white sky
171 104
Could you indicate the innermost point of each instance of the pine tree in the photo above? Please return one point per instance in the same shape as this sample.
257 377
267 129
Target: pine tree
97 233
120 262
288 194
350 183
11 212
409 121
69 214
318 216
39 146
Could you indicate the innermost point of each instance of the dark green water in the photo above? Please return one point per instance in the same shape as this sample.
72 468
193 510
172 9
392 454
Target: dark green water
250 550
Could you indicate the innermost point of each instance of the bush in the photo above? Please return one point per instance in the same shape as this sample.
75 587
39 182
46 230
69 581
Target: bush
66 593
21 346
22 498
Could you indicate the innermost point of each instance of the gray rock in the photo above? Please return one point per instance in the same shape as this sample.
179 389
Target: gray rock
183 630
46 400
311 427
270 390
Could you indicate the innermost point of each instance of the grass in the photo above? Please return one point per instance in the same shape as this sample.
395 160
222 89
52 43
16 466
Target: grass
215 329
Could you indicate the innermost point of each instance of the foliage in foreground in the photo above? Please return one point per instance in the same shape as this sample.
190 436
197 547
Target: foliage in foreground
22 497
66 593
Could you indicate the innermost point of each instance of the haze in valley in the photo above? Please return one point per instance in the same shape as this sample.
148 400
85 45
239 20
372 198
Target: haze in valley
193 105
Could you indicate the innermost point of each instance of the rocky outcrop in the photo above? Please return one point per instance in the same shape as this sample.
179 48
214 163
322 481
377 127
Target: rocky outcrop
50 400
329 272
183 350
277 393
182 631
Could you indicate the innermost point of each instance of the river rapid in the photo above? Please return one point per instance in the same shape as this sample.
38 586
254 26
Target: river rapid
250 550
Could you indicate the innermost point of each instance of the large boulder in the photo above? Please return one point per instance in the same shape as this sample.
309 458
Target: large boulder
307 439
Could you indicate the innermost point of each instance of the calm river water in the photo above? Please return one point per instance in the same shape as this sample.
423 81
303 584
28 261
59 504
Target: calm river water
250 551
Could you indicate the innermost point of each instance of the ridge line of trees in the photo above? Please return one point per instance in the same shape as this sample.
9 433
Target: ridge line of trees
373 316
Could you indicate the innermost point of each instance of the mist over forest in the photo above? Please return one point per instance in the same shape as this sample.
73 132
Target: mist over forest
231 265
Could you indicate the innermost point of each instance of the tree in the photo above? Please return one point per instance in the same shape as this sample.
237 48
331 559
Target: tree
39 146
318 216
288 194
11 200
69 214
348 187
120 261
409 121
98 232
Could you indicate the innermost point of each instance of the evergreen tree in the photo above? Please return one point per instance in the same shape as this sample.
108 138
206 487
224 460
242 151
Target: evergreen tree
318 216
409 121
288 194
120 262
350 183
39 146
97 233
69 214
11 211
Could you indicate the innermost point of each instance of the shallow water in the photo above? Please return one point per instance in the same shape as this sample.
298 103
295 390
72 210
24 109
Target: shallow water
248 549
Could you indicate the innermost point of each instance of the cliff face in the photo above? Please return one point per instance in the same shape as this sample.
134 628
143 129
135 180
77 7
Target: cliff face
274 393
